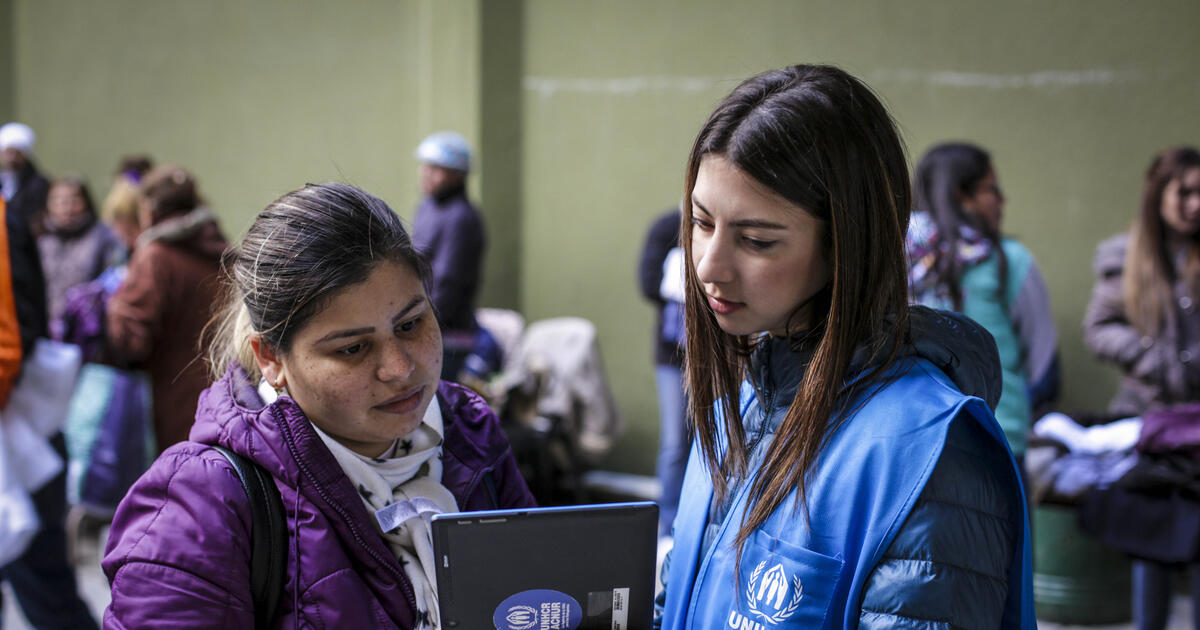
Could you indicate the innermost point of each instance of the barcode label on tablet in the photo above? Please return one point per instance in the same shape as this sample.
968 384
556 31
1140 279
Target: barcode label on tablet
607 610
620 609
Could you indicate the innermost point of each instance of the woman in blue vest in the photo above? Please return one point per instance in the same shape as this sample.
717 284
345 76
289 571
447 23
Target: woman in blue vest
842 476
960 261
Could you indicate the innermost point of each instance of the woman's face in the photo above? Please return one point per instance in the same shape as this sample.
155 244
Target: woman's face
66 207
986 202
757 255
365 368
1181 203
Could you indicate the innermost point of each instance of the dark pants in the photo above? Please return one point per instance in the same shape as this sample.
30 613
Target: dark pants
674 443
42 579
1152 594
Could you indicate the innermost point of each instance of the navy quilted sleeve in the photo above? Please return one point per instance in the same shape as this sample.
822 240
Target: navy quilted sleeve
947 567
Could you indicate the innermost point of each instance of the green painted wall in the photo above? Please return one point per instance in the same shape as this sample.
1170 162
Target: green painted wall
256 98
259 98
584 112
1072 97
500 147
6 61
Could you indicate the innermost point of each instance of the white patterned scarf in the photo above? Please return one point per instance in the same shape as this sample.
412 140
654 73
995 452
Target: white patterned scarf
403 489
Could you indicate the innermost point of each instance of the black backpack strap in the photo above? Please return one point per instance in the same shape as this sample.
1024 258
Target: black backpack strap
268 536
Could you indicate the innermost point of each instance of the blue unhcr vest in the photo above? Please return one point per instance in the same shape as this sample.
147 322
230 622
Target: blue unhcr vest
795 574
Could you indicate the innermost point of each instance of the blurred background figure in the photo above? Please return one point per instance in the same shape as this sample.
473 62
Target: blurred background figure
41 578
23 186
24 190
119 209
1143 317
109 439
10 329
156 318
449 232
660 275
959 260
75 246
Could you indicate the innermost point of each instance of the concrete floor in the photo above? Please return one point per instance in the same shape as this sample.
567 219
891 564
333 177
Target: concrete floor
1181 619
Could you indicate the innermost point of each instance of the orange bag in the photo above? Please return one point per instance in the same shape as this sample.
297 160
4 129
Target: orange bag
10 331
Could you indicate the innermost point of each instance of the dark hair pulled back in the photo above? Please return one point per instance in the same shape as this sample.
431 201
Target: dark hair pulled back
300 251
171 191
945 175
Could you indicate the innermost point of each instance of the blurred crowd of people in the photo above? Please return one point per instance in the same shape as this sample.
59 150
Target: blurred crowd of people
132 284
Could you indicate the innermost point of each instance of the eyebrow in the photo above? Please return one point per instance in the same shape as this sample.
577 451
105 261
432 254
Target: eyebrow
353 332
744 223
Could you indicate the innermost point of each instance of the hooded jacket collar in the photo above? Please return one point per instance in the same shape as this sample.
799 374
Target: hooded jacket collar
958 346
197 230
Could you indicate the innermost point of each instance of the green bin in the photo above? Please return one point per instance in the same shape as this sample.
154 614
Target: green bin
1076 580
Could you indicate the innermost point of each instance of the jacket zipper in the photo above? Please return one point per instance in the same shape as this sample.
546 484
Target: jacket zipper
288 437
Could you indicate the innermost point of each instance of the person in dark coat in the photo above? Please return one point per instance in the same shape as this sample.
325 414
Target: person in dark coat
23 186
24 191
156 318
448 231
662 243
330 383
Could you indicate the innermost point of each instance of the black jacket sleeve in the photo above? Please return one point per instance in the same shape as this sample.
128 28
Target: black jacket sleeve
29 286
663 237
948 565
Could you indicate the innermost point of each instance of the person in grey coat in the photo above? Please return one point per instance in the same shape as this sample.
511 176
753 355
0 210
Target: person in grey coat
1143 317
74 245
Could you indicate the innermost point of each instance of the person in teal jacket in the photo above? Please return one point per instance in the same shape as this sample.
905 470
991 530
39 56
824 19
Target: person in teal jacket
840 476
960 260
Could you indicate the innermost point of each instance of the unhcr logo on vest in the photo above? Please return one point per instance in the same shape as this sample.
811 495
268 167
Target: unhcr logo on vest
770 596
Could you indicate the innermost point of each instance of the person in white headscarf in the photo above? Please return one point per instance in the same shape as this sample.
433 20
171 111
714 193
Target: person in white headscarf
23 186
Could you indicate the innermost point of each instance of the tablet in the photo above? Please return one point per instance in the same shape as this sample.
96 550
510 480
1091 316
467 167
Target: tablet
581 567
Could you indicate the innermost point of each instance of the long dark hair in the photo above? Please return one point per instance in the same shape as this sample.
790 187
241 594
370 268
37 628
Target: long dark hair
80 185
821 139
945 174
302 249
1149 271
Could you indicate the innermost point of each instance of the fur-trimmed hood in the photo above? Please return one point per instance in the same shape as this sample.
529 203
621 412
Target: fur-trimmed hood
197 231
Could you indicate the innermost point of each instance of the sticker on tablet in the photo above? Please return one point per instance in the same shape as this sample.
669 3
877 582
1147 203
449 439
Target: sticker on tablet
607 610
540 609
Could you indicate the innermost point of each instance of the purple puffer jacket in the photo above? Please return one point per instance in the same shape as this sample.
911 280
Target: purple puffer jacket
179 550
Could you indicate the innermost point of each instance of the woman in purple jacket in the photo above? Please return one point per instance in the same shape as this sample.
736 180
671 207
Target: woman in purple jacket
329 356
